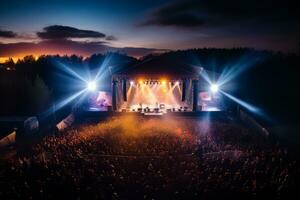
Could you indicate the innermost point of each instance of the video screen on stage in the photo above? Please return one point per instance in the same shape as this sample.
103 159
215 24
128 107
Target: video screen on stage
209 101
99 101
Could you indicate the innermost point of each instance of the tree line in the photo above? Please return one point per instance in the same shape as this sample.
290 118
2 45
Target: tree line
31 85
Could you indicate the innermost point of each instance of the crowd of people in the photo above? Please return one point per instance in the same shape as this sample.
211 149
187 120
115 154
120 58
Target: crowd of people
151 158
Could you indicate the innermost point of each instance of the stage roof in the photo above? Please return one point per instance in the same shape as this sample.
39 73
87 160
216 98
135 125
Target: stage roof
153 68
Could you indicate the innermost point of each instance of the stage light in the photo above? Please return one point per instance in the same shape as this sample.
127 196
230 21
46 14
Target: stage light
91 86
141 82
164 82
246 105
131 82
177 82
214 88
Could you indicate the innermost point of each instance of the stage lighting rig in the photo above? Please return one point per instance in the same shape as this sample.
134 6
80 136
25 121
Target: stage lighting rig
214 88
91 86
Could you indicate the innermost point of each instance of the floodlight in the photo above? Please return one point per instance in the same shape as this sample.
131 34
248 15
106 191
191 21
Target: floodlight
214 88
131 82
91 86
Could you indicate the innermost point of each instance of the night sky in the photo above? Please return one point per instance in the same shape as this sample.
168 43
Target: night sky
145 26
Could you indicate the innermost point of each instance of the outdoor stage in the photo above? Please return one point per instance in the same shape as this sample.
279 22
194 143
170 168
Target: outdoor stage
152 96
154 89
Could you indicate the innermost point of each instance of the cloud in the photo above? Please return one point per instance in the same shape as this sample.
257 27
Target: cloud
64 32
7 34
66 40
215 13
67 47
111 38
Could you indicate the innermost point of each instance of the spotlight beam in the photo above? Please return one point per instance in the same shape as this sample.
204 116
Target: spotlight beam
68 100
205 76
70 71
103 67
62 103
243 103
243 64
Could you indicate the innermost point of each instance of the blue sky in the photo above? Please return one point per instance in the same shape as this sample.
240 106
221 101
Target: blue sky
159 24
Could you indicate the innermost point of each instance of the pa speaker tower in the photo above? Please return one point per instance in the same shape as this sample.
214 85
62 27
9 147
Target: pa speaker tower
183 90
124 90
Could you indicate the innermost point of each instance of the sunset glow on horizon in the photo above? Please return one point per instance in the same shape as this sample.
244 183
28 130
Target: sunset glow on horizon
143 27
